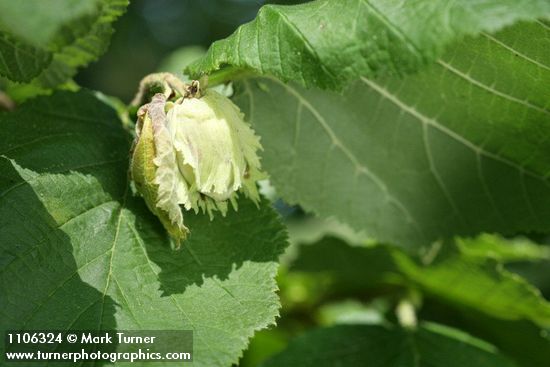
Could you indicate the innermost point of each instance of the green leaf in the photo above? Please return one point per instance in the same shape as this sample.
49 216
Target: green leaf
328 43
477 283
77 42
526 343
458 149
82 42
79 251
491 246
482 285
344 268
37 21
19 60
360 345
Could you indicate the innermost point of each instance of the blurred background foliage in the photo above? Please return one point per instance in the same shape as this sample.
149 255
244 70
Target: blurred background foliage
151 30
330 274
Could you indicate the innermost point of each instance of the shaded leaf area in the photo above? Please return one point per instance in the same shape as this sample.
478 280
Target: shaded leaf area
537 274
474 293
361 345
477 283
79 38
79 251
526 343
458 149
330 43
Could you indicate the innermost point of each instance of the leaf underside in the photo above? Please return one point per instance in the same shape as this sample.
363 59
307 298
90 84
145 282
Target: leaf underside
457 149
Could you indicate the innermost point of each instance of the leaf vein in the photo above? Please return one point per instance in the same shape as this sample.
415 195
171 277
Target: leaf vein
491 89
